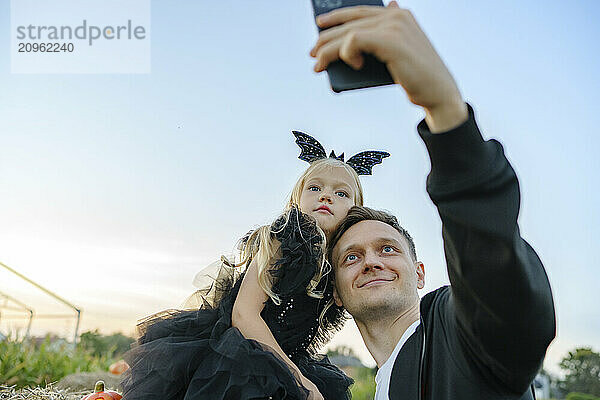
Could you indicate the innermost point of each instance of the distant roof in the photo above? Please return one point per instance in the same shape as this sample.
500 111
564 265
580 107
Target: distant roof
345 361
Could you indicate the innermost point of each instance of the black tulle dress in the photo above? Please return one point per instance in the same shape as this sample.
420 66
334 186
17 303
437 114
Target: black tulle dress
197 354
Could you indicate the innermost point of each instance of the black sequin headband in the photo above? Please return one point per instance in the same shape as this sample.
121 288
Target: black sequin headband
312 150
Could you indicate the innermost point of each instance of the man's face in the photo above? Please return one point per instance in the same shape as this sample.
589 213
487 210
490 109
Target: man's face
374 272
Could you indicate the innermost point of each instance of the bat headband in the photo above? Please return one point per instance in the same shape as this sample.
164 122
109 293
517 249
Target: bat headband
312 150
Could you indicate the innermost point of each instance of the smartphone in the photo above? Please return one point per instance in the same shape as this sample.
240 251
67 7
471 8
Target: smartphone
341 76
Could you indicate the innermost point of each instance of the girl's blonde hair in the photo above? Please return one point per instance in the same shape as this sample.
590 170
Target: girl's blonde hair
261 246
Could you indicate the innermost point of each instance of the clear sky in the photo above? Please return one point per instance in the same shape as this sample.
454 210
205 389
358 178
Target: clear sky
115 189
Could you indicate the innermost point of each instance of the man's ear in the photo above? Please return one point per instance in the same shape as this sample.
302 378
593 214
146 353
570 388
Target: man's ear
336 298
420 275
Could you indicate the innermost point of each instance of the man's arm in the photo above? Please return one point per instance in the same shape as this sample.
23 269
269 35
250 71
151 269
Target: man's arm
500 291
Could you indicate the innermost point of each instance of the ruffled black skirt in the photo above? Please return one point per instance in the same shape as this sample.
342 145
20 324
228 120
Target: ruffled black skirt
197 354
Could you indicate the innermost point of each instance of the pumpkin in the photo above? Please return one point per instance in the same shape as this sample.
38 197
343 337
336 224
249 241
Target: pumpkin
99 393
118 368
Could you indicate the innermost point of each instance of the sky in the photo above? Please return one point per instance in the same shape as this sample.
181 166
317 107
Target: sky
116 189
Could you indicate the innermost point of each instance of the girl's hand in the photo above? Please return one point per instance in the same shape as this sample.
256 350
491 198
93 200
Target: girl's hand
312 388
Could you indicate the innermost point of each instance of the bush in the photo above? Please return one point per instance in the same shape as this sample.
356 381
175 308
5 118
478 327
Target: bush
113 345
25 364
364 384
582 372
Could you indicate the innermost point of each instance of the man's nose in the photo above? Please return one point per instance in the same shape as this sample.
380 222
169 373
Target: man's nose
372 261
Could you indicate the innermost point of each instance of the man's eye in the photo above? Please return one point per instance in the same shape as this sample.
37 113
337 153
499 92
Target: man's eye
388 249
351 257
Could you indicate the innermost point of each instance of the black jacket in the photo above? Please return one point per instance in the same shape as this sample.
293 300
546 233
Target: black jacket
485 335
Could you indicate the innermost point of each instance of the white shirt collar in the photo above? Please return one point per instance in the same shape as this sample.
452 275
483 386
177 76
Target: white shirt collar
384 374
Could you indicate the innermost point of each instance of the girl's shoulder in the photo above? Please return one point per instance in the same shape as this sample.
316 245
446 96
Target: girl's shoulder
299 262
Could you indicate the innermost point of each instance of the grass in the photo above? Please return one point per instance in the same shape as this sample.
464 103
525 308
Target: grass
27 364
29 370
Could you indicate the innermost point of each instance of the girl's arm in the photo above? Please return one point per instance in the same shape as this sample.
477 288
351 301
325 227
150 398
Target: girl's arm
246 317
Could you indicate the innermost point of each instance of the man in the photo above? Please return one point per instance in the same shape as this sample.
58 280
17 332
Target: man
485 336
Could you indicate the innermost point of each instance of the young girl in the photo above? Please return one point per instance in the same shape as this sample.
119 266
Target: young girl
255 334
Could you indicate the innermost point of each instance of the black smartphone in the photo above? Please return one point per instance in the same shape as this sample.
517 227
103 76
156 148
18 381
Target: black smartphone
341 76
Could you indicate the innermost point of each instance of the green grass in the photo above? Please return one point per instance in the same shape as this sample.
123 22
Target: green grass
25 364
364 384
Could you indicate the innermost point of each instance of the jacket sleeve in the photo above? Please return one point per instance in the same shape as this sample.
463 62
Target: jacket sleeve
500 294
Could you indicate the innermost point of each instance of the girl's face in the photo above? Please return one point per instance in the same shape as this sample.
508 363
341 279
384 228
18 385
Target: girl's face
327 196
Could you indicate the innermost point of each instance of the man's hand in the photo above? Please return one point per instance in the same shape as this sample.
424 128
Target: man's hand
393 36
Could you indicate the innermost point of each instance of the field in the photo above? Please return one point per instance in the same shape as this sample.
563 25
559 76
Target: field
27 363
29 368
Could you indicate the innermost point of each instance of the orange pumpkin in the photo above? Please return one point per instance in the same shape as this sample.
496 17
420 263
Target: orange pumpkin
99 393
118 368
